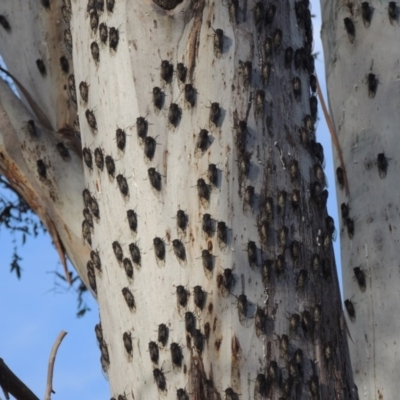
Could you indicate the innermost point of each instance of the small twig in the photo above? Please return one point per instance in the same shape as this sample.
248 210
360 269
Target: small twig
333 135
56 345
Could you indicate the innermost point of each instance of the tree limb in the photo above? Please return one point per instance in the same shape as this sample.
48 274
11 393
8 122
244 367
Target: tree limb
10 383
56 345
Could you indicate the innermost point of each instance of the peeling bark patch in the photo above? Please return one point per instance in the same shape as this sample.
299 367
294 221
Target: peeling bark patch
167 4
235 350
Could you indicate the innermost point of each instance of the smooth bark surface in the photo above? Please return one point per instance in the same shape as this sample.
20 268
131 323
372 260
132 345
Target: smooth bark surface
275 327
363 86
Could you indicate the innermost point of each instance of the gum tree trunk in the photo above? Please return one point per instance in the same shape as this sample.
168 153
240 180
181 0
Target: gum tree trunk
206 239
363 87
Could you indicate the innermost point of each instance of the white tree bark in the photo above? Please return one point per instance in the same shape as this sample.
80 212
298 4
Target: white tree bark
367 125
243 328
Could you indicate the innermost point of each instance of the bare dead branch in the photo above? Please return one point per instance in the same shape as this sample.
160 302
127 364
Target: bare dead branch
10 383
333 134
56 345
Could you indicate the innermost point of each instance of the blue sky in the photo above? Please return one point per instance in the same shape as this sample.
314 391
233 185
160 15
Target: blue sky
35 309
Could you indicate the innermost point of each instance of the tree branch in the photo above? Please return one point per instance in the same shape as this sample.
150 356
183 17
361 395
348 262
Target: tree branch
10 383
56 345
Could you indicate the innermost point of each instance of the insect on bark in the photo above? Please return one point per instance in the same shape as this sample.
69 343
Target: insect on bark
225 282
87 157
113 38
167 71
372 85
199 296
4 23
182 295
203 140
179 249
198 340
99 158
158 97
181 220
181 72
270 14
190 94
127 339
94 49
392 11
218 42
103 32
159 248
174 114
132 220
181 394
296 87
72 88
94 21
203 190
130 300
94 256
155 178
154 352
118 251
63 151
350 309
163 333
190 322
110 5
160 380
64 63
141 127
123 185
222 232
288 57
110 166
207 259
176 354
91 120
41 169
360 278
135 253
350 29
128 267
120 136
215 113
68 41
212 174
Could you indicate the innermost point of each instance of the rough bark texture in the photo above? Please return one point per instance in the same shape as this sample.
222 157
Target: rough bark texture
260 281
363 86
